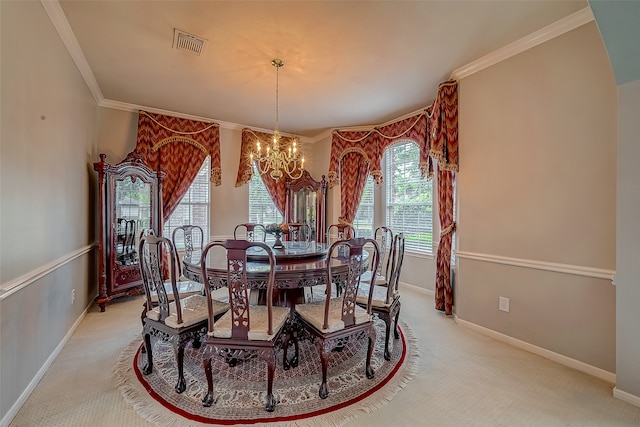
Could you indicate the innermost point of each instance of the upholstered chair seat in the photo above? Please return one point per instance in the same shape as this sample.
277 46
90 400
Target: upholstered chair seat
194 310
258 323
366 279
314 314
379 295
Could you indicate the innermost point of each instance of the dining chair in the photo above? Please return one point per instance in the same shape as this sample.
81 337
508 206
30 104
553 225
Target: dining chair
335 320
386 298
177 322
250 231
299 232
384 235
245 330
342 232
192 239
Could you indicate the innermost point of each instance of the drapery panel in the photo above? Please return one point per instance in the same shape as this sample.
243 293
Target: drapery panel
443 290
354 169
443 147
276 188
178 147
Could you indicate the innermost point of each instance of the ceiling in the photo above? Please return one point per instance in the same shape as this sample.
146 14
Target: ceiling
347 63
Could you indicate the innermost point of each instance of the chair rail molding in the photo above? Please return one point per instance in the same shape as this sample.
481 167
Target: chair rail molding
15 285
578 270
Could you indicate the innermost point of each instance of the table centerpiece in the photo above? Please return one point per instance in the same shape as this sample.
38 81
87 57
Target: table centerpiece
277 230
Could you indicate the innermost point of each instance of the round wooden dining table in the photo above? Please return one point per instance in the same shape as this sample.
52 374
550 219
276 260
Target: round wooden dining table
299 265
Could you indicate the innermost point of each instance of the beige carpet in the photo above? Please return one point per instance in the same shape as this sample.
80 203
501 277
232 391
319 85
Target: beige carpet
463 379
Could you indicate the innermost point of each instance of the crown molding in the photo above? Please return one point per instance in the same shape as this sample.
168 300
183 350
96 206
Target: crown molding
547 33
59 20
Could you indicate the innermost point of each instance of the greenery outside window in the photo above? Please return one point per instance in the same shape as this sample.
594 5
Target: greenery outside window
262 210
409 207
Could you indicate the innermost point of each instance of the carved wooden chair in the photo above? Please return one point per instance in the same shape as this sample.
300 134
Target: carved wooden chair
177 322
386 298
299 232
341 232
250 231
245 329
191 237
334 321
384 236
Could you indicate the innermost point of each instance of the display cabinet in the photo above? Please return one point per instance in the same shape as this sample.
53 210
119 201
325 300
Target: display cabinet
306 203
130 199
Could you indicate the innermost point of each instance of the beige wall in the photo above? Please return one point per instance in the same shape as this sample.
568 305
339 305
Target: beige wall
48 133
537 186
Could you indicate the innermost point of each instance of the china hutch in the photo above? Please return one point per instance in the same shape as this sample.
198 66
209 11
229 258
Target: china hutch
305 203
130 198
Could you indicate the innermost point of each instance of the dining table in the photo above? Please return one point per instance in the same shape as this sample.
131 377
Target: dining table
299 266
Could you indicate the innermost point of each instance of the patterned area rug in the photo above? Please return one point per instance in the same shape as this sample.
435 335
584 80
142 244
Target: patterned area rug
240 392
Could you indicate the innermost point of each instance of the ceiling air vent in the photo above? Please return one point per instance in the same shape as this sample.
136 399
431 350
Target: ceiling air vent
188 42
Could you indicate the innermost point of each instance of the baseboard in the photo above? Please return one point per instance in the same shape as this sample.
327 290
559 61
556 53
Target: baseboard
559 358
13 411
626 397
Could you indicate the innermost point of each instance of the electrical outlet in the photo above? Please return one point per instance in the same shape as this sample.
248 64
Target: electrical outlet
503 304
73 296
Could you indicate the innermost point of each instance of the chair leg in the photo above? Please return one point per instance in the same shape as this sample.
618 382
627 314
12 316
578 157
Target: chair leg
396 333
324 359
207 400
148 368
372 340
181 385
387 330
271 369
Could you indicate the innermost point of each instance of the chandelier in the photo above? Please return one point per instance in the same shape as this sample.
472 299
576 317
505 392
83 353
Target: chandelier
272 158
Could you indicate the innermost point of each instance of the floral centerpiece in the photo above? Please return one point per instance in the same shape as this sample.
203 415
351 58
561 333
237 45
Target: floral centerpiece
277 230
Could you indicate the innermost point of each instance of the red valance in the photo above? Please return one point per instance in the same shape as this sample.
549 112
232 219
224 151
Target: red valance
371 144
178 147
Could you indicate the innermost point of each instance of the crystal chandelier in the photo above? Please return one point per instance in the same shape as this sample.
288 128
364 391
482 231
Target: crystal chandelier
278 162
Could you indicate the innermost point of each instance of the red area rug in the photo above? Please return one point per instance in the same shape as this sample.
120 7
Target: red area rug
239 392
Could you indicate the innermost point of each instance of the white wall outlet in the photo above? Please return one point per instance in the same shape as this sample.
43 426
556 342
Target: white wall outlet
73 296
503 304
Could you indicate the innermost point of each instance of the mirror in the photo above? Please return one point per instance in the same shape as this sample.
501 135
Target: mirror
305 204
132 214
304 211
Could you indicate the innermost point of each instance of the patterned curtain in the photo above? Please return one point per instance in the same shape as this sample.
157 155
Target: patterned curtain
277 189
178 147
354 170
443 144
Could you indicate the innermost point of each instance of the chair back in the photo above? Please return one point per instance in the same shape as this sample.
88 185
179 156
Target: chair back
236 262
385 236
397 257
252 232
192 236
299 232
152 251
354 249
343 232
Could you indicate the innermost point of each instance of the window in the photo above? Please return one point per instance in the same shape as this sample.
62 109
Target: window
193 208
262 210
363 222
408 197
